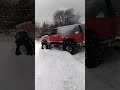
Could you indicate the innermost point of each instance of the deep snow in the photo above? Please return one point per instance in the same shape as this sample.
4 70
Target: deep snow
50 77
59 70
55 70
107 75
16 72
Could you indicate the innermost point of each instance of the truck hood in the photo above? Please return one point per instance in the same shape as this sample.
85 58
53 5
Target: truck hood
27 27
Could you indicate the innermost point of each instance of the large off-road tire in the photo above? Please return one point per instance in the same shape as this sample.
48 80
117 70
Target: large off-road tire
94 57
25 46
21 49
17 52
70 46
94 51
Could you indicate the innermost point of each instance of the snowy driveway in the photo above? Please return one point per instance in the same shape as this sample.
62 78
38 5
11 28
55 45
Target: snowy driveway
16 72
107 75
58 70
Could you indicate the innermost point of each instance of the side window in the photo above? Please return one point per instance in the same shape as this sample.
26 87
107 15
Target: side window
100 15
80 28
21 34
117 12
53 32
116 7
83 28
75 30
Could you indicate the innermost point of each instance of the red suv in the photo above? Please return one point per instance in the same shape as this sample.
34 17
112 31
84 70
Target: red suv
24 39
102 32
70 37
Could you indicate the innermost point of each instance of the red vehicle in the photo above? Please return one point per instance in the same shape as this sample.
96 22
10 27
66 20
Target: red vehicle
69 36
25 37
102 31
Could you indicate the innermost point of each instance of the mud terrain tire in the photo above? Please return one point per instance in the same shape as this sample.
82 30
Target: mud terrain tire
70 46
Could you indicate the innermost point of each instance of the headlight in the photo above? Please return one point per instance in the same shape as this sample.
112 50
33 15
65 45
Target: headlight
83 41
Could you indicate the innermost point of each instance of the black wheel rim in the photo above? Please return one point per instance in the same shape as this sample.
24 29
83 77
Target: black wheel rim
23 49
69 49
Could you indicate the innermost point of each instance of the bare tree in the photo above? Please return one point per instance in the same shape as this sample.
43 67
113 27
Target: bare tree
67 17
37 29
43 29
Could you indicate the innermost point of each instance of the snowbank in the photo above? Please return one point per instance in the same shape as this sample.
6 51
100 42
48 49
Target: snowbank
6 38
16 72
58 70
107 75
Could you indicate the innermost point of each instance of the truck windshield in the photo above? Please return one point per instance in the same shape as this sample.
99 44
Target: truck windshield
102 8
116 7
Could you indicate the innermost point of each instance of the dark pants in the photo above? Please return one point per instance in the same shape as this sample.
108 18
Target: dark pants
42 46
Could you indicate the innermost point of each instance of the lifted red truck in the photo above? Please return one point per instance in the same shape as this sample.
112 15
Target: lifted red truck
25 38
101 32
70 37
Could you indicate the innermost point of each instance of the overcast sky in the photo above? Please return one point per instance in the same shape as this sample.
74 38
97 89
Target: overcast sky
44 9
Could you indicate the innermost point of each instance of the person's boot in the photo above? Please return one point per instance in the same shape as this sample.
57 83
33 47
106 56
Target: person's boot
17 52
42 47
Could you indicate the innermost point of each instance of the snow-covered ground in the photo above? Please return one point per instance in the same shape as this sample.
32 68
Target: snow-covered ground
16 72
59 70
6 38
107 75
55 70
